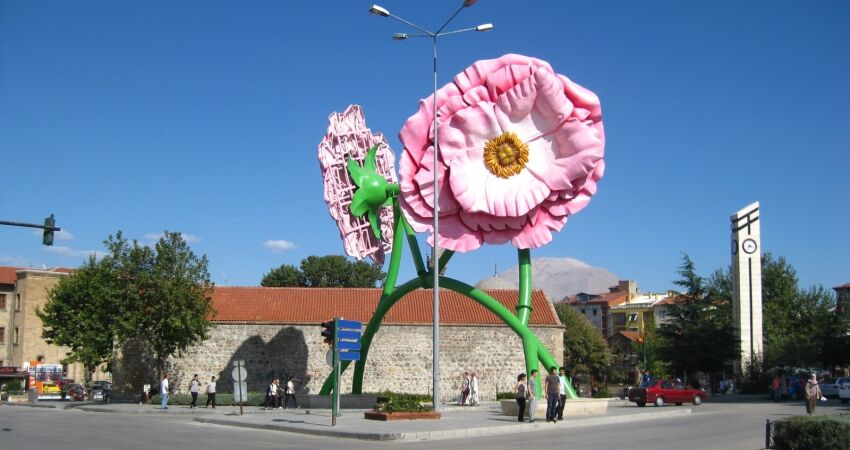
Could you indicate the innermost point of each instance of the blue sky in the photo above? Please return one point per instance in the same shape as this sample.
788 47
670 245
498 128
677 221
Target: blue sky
204 117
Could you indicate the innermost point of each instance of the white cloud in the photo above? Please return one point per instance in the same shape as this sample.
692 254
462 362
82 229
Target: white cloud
279 246
189 238
17 261
63 235
60 235
72 252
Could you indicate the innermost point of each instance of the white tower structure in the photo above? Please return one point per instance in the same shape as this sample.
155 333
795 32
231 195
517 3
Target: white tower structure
746 283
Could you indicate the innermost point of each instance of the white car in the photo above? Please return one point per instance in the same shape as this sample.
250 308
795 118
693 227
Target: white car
844 392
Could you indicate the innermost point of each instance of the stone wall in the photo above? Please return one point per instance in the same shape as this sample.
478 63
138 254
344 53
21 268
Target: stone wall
399 358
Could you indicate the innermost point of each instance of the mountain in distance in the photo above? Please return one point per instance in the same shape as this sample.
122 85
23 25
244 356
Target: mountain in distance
558 277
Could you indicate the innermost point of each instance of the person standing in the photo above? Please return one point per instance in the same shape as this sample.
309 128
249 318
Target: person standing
290 393
553 390
813 394
194 388
562 375
774 389
783 388
146 389
464 388
520 390
163 391
211 392
532 395
473 389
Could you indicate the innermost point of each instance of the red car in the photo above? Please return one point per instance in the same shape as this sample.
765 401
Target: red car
659 392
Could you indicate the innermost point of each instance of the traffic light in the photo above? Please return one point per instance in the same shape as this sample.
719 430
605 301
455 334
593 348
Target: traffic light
49 224
329 332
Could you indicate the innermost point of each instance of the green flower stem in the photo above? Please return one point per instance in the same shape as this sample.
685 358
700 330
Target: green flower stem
415 252
397 250
523 308
445 257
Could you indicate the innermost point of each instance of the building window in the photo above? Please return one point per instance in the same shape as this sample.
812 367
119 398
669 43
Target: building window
583 311
2 301
17 302
595 311
2 336
15 341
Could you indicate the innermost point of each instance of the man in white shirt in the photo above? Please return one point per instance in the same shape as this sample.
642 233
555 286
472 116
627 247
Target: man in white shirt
194 389
211 393
163 391
562 374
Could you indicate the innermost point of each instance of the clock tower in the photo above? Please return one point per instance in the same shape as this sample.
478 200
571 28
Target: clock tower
746 284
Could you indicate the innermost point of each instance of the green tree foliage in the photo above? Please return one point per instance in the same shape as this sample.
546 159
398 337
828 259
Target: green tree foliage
79 315
585 350
325 271
699 336
161 296
800 327
284 276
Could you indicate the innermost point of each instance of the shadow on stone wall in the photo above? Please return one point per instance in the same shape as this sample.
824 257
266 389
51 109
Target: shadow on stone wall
283 356
133 367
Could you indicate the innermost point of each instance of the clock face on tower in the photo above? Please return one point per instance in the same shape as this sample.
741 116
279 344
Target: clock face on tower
749 246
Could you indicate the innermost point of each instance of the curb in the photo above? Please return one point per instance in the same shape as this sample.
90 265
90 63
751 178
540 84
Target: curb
30 405
169 412
451 434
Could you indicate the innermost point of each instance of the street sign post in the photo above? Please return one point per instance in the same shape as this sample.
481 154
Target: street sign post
346 347
240 387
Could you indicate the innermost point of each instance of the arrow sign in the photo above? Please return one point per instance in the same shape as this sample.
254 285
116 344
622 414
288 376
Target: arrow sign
348 335
348 345
349 356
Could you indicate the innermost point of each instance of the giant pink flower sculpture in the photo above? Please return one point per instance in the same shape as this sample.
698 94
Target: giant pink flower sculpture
520 147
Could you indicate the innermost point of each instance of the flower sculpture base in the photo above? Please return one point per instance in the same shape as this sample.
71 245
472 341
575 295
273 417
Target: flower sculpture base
389 416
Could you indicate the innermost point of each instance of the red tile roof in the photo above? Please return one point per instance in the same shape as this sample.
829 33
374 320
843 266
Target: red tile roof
609 299
631 335
843 286
316 305
8 275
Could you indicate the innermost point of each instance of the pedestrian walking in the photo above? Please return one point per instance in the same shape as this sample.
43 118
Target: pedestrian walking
146 389
521 391
194 388
211 392
272 394
813 394
562 375
532 395
553 390
473 389
163 391
290 393
464 389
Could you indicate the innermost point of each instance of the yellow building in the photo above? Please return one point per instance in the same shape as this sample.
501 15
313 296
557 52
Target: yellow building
23 295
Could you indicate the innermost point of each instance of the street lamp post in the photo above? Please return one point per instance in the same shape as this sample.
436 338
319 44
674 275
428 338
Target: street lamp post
383 12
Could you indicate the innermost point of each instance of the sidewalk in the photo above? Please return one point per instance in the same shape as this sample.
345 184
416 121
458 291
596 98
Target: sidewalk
457 422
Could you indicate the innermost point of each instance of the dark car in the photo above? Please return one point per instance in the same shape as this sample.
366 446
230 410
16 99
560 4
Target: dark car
659 392
100 391
74 392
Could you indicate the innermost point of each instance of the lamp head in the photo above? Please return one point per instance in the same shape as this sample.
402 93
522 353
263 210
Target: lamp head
379 11
484 27
399 36
468 3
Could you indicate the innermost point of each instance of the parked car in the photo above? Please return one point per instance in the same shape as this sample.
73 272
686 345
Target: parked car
100 391
829 387
75 392
659 392
844 393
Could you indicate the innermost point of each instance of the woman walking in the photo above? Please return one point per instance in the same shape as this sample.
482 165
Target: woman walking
520 391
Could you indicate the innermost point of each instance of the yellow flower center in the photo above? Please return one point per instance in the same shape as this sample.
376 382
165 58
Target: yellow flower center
505 155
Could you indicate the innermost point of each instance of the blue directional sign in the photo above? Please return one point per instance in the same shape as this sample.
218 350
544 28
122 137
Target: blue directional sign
348 339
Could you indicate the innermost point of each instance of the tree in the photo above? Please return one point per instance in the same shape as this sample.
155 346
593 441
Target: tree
79 315
284 276
325 271
585 350
699 336
160 296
